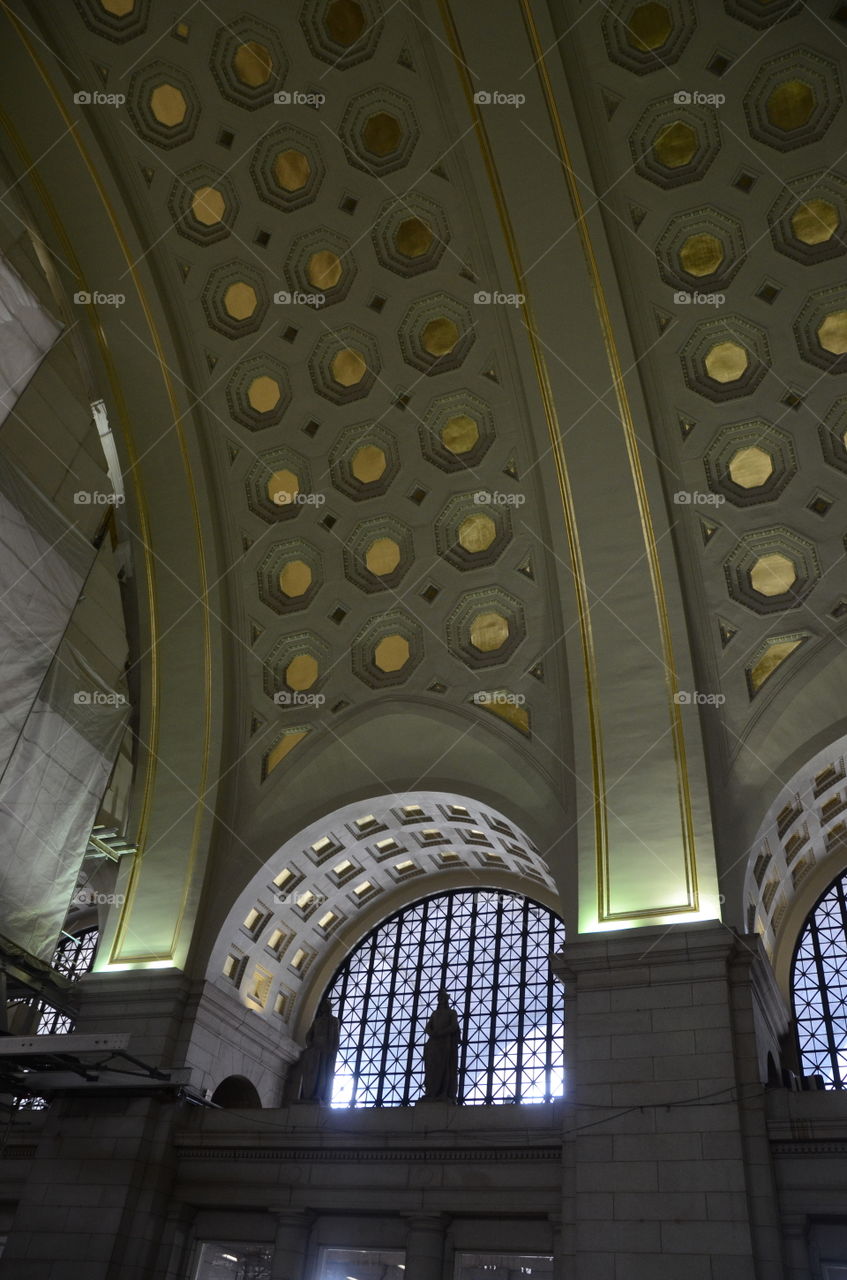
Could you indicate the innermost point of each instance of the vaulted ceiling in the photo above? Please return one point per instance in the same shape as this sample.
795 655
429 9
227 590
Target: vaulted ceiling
715 139
384 322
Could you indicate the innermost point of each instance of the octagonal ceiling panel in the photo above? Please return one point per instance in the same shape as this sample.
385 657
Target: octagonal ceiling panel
378 553
793 99
486 627
470 533
821 330
342 32
116 20
365 460
388 650
259 392
235 299
674 144
287 167
726 358
410 236
290 576
248 62
345 364
437 333
644 36
380 131
808 220
163 104
750 462
772 570
204 204
456 431
701 250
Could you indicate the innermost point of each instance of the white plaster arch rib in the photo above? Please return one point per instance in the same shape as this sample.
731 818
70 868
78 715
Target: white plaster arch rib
325 888
799 848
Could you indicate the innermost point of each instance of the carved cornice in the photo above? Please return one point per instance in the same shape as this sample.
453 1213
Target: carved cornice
359 1155
19 1153
822 1147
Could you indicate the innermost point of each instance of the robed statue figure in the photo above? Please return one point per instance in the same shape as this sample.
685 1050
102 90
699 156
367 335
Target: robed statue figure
441 1052
315 1068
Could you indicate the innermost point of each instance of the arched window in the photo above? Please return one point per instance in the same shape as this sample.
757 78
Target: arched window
73 957
819 985
74 954
490 950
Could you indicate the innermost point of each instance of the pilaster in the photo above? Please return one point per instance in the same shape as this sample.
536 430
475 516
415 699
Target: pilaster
660 1081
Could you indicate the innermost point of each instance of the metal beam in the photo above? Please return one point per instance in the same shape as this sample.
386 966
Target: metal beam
42 1046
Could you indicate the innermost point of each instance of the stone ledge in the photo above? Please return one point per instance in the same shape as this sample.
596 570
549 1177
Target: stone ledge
359 1155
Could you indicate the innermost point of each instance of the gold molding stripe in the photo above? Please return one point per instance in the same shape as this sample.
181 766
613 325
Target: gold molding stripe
562 476
123 925
630 435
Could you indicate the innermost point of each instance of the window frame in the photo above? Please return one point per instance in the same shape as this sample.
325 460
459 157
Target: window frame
389 933
838 1082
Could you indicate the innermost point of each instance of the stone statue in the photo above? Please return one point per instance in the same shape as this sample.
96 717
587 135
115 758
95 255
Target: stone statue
441 1052
315 1068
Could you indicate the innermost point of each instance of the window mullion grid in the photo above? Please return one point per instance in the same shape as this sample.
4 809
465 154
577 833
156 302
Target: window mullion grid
551 1000
341 1014
464 931
448 936
469 989
366 1001
842 904
389 1012
521 1003
495 981
416 1000
824 994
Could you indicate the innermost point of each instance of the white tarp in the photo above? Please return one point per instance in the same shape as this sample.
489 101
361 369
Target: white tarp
43 564
57 745
27 333
49 796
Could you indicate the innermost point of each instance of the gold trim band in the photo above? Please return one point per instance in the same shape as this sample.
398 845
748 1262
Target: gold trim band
123 925
582 600
631 438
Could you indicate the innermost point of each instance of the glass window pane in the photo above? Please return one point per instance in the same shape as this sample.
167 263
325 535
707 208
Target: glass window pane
820 991
362 1264
503 1266
73 957
490 950
219 1261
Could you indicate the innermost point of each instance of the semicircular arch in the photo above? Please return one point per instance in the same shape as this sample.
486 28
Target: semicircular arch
330 885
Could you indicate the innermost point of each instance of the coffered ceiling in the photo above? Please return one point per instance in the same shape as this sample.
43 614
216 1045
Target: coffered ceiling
393 571
716 143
